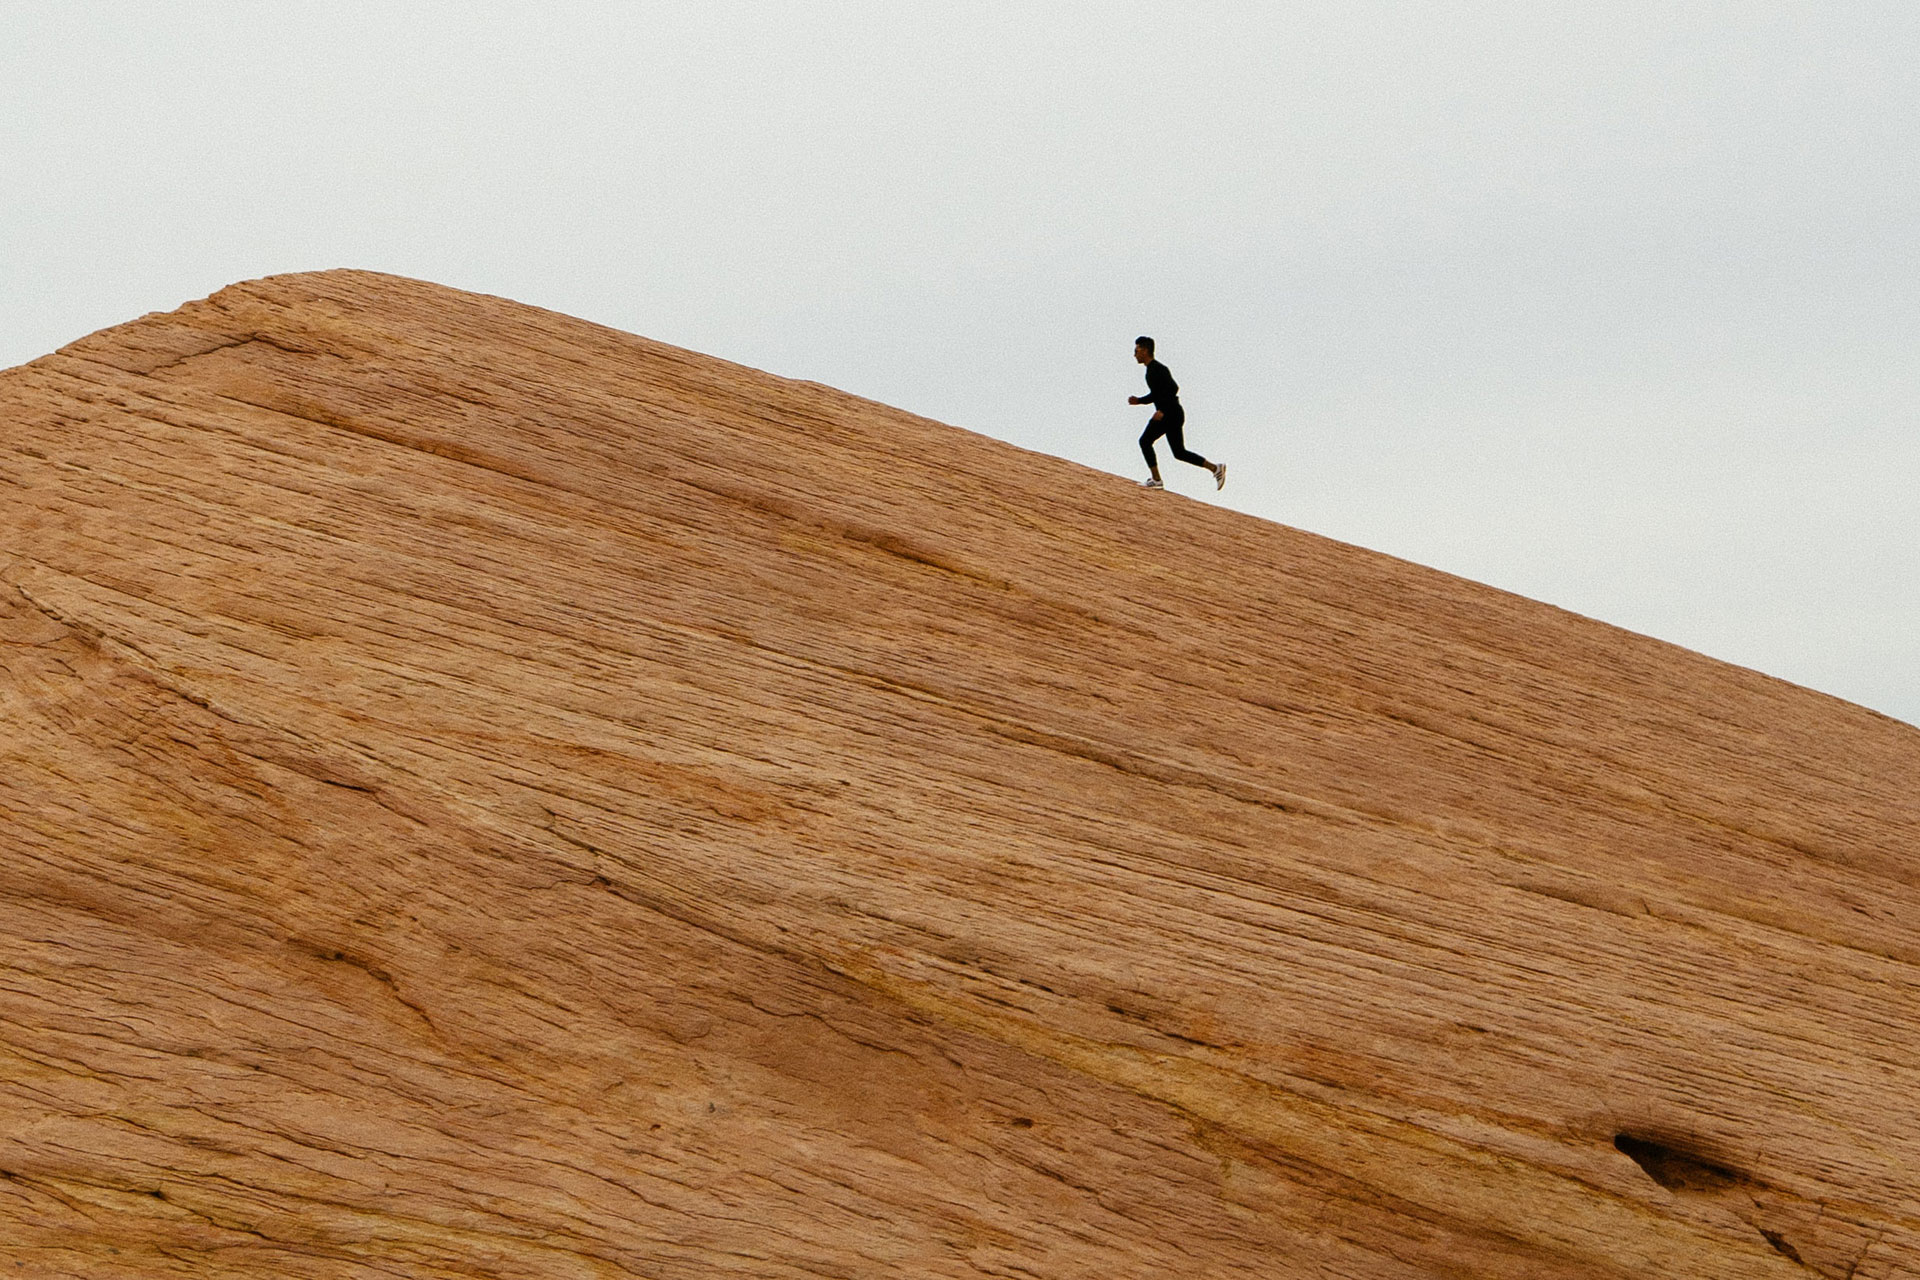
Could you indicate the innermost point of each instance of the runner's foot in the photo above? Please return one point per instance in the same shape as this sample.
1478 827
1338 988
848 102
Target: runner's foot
1220 475
1153 484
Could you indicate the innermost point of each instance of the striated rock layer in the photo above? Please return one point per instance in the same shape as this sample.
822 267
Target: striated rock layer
486 795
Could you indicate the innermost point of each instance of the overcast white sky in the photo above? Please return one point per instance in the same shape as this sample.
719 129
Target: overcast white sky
1614 304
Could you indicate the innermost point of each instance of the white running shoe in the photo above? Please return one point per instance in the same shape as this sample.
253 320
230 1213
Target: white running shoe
1153 484
1220 475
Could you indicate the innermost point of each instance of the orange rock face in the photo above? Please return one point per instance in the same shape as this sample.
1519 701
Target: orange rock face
486 795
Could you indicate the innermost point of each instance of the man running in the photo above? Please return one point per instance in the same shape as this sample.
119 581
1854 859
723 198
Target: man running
1163 393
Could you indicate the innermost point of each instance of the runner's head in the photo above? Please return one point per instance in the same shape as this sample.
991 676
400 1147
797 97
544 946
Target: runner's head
1143 349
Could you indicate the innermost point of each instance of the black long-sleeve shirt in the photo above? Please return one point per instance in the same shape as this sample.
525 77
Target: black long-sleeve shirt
1162 391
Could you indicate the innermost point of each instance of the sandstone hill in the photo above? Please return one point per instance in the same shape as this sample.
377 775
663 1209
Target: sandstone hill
486 795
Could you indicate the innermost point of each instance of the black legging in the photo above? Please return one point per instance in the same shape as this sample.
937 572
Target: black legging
1168 424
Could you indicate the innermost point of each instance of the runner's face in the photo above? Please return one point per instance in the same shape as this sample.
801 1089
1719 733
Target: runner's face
1142 354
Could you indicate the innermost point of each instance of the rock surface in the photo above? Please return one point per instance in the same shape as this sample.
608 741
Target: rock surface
486 795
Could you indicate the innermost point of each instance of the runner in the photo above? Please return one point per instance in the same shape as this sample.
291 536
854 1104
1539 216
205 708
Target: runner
1163 393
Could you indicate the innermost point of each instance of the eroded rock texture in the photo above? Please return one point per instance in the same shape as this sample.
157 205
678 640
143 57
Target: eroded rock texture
486 795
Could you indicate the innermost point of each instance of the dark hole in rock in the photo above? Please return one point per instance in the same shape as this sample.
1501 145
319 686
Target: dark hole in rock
1782 1247
1674 1169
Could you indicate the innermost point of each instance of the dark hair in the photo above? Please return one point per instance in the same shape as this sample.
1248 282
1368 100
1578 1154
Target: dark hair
1144 342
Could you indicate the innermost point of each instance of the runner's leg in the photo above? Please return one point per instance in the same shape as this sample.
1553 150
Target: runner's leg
1173 427
1153 432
